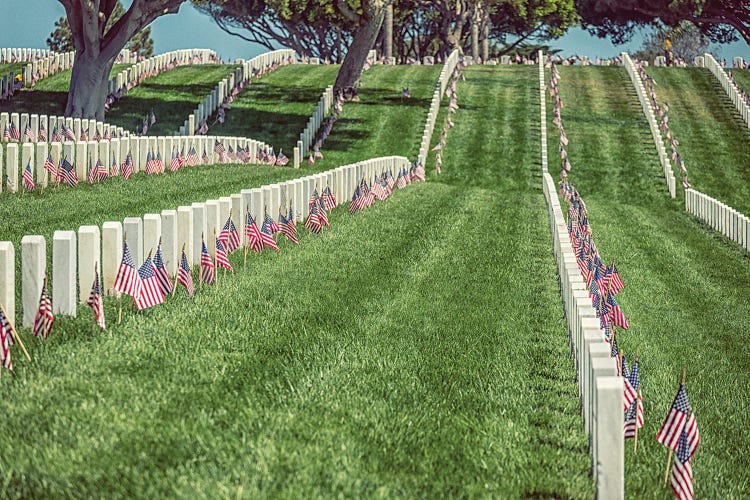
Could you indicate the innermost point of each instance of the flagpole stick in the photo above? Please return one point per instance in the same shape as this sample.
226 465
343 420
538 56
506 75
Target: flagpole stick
17 337
669 461
635 441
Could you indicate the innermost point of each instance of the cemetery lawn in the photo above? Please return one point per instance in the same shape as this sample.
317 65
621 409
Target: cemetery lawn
8 67
276 108
741 77
172 95
49 95
686 286
713 137
416 349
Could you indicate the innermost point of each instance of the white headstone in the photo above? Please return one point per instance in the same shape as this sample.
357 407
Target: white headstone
89 259
151 233
11 167
8 280
213 224
33 268
64 272
133 234
185 233
199 229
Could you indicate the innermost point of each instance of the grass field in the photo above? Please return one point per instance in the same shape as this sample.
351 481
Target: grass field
416 349
687 287
8 67
742 78
713 137
173 95
48 96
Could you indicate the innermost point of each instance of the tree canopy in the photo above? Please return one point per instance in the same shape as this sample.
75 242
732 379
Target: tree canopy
61 39
719 20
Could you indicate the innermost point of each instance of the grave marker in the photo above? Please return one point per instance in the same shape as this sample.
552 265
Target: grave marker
64 273
33 267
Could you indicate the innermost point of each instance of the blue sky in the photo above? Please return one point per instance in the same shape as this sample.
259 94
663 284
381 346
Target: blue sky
22 26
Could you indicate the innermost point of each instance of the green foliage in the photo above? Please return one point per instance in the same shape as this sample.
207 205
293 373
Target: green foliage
61 39
686 286
410 345
687 43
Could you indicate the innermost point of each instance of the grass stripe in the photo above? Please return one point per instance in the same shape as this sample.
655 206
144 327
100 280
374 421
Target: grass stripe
678 276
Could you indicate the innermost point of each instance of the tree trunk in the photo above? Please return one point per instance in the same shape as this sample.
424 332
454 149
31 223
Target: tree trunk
486 42
388 38
88 88
356 56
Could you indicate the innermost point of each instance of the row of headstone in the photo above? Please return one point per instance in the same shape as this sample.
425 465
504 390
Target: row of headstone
600 389
126 57
48 64
157 64
49 123
543 119
719 216
738 63
322 109
648 111
84 155
76 255
734 94
442 84
216 97
12 54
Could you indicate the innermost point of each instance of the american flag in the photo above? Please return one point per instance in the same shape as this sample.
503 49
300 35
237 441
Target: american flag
221 151
681 479
28 178
96 303
50 167
151 293
354 205
114 170
313 222
192 157
616 314
634 415
272 225
390 182
101 170
613 278
174 165
185 275
266 233
92 173
222 260
631 393
208 272
282 159
151 166
322 214
288 227
676 423
401 181
15 133
42 133
6 134
165 282
84 135
230 236
127 167
329 199
252 234
67 173
56 135
159 163
29 134
68 133
6 340
127 280
205 157
44 318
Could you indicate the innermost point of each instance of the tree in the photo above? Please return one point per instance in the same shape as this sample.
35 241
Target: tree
369 20
61 39
687 42
720 21
97 46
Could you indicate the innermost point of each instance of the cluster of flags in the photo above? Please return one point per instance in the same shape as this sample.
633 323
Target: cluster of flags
382 186
147 123
679 432
452 108
554 90
11 133
662 112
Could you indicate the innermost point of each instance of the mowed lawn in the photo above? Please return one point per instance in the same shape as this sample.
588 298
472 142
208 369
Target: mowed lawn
172 95
48 96
713 137
416 349
686 286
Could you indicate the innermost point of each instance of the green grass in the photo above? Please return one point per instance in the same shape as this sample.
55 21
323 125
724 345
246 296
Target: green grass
173 95
48 96
686 286
276 109
8 67
413 350
713 137
742 78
